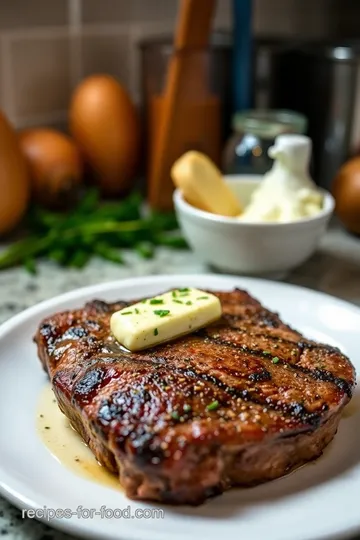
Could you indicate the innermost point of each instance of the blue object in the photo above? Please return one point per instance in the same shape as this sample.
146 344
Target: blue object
242 59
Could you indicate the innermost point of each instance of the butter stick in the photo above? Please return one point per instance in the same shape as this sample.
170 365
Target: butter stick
203 186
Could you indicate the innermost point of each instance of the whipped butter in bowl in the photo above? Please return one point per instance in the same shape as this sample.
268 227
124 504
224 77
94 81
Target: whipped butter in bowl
287 192
277 224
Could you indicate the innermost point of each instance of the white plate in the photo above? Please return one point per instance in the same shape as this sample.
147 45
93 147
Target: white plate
320 500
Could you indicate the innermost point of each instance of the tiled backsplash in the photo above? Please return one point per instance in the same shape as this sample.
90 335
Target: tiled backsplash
47 46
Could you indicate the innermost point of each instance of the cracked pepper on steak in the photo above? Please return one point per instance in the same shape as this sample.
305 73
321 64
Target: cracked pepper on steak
244 401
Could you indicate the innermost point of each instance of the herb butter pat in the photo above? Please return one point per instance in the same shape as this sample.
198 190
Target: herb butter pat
164 317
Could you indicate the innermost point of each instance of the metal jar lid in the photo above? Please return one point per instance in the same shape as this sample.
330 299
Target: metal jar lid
268 123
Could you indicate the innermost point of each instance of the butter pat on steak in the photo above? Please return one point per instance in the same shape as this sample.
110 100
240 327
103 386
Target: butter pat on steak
241 402
164 317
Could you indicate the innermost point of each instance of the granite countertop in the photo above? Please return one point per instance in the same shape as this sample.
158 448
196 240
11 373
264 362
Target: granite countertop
334 269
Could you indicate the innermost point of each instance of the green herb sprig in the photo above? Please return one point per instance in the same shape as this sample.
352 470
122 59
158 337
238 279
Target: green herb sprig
93 228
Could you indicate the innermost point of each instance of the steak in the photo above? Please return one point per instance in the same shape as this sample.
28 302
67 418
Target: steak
244 401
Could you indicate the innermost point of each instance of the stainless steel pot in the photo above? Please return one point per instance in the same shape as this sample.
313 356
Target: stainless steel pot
322 82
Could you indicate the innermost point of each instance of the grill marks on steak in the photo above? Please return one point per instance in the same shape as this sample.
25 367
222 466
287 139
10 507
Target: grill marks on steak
146 415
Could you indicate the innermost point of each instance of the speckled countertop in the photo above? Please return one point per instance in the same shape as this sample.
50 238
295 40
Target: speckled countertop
334 269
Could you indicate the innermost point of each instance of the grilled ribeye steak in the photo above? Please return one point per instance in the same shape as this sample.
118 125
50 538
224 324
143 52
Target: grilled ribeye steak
244 401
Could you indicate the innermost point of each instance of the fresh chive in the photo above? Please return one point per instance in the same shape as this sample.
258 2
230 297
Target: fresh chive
268 353
189 303
213 406
137 311
275 360
173 294
144 301
185 289
145 250
155 301
178 301
58 255
202 298
30 265
175 415
162 312
104 250
187 408
156 332
78 260
127 313
170 240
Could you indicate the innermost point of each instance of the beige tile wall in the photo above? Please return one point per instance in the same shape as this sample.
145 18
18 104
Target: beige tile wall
47 46
292 17
33 13
40 74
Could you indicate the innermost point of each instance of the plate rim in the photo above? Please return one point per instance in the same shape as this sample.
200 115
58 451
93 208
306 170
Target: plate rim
102 287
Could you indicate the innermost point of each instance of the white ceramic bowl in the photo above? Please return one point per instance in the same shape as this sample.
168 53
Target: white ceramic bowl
233 246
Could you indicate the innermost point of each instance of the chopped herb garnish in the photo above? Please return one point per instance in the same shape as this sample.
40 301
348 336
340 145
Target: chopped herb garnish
144 301
213 406
162 312
187 408
189 303
178 301
275 360
156 301
186 289
183 294
156 332
137 311
173 294
267 353
175 415
202 298
127 313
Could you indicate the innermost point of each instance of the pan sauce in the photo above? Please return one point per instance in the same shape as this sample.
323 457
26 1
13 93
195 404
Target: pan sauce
66 445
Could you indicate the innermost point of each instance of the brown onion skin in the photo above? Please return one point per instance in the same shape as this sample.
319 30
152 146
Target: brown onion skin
54 163
14 179
346 191
105 125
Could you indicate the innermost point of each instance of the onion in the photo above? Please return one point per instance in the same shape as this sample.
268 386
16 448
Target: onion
346 191
54 165
105 126
14 180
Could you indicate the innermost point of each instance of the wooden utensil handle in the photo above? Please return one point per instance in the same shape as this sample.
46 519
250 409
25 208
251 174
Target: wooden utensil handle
193 31
194 23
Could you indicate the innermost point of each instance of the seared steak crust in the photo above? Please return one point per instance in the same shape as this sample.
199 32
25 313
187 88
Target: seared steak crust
244 401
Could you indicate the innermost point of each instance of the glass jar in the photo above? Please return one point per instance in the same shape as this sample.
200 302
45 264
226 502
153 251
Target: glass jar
203 110
155 53
255 131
